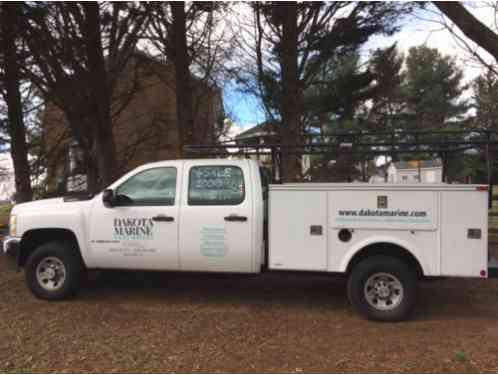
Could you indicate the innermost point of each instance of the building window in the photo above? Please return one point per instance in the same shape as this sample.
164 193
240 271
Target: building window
431 177
76 160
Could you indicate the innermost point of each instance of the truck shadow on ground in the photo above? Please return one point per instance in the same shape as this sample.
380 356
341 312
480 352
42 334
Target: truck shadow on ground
278 289
440 299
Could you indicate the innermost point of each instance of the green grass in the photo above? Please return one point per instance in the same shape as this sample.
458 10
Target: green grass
461 356
4 214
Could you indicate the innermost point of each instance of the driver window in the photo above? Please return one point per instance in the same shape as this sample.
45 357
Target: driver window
155 186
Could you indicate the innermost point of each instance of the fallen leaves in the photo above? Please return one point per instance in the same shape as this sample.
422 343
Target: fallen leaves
160 322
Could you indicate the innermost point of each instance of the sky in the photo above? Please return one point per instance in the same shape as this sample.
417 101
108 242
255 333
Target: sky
420 28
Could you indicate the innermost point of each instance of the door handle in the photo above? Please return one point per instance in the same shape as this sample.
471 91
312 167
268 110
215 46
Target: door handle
235 218
163 218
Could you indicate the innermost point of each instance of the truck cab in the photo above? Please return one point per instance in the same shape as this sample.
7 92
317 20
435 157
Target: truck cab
191 215
210 209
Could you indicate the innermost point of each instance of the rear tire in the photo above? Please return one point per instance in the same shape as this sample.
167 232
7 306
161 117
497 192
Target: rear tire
382 288
54 271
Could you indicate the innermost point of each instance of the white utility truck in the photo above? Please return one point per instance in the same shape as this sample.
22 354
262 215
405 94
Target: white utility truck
220 216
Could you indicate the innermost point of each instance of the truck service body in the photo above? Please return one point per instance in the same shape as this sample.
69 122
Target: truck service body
215 215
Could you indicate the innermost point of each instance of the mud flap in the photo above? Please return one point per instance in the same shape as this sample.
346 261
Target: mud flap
492 269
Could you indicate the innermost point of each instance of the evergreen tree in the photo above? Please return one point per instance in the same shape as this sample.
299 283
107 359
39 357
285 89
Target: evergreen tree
295 43
486 101
331 105
432 92
77 51
433 89
386 111
484 165
186 36
10 89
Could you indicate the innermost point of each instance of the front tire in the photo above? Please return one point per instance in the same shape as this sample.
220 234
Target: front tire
54 271
383 288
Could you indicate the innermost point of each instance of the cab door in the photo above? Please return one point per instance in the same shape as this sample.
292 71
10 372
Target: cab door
217 219
141 230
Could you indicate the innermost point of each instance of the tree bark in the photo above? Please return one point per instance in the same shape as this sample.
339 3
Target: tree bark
103 148
16 128
291 102
470 26
181 61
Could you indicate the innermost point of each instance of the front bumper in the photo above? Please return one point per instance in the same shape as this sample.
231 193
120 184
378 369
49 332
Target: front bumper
11 248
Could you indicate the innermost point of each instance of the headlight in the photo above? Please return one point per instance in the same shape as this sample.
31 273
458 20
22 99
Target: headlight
13 225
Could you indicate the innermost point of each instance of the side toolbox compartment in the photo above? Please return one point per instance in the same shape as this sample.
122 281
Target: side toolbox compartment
464 233
297 230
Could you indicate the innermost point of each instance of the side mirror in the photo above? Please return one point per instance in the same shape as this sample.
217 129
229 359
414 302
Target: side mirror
108 197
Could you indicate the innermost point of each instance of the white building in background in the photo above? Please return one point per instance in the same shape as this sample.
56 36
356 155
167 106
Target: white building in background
378 178
414 171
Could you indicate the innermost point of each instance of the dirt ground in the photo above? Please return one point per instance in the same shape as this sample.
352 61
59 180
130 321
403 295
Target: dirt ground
159 322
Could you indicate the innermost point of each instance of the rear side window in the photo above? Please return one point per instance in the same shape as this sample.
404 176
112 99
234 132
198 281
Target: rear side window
151 187
216 186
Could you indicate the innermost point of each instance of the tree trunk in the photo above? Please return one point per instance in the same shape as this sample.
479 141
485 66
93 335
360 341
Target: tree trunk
17 131
106 166
185 119
104 148
470 26
92 183
291 96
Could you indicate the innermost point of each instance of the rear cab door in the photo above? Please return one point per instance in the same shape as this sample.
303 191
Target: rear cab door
217 216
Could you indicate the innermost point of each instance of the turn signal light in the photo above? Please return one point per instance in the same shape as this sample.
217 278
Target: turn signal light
13 225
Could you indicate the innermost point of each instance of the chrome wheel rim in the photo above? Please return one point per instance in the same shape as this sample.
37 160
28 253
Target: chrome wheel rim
383 291
51 273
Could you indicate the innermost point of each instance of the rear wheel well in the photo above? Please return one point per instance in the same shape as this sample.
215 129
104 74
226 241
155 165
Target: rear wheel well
387 249
36 237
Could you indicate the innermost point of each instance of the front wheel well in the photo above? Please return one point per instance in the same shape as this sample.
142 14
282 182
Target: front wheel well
387 249
36 237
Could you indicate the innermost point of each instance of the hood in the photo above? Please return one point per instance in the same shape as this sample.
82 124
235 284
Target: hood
40 204
37 204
